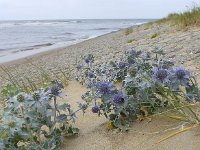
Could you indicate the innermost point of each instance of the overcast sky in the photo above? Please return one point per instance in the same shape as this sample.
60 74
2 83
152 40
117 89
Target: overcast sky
87 9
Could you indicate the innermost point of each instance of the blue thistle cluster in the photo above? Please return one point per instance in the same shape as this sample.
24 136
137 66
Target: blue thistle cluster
138 77
133 52
104 87
122 65
131 60
91 75
182 74
118 99
160 75
56 89
89 59
95 109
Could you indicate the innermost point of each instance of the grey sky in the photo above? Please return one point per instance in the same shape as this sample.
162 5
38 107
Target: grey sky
86 9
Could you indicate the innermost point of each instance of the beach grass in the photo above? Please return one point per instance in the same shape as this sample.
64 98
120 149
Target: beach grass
184 20
128 31
131 40
154 35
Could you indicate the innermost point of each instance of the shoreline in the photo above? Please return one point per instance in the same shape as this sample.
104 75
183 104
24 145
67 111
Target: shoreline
28 54
14 54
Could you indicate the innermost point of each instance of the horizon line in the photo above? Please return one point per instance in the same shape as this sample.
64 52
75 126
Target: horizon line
80 19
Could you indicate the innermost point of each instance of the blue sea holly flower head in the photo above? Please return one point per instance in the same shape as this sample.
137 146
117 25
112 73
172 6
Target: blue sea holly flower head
18 101
104 87
160 75
95 109
12 123
133 52
182 74
56 89
131 60
122 65
118 99
89 59
91 75
38 99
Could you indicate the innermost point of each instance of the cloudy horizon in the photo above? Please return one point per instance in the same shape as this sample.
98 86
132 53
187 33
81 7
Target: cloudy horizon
90 9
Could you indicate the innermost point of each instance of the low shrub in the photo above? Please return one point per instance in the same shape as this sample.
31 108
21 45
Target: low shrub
138 85
36 120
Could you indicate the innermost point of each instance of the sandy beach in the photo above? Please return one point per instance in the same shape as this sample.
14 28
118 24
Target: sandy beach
181 46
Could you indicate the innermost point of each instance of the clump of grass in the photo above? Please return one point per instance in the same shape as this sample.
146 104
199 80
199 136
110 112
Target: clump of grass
42 79
154 35
131 40
128 31
187 19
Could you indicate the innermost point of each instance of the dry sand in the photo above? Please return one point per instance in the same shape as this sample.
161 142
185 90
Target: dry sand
180 46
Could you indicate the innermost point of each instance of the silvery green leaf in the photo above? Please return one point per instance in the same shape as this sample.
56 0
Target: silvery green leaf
50 112
73 131
61 118
31 113
63 106
36 125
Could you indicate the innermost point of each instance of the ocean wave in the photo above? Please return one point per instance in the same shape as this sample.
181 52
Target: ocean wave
85 37
68 33
74 21
42 45
101 29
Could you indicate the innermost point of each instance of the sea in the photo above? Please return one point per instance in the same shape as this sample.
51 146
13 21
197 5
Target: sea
19 39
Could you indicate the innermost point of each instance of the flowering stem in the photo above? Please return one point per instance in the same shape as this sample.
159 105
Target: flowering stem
55 105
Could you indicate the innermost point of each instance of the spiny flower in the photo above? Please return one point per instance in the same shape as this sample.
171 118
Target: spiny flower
95 109
56 91
104 87
20 98
119 74
131 60
160 74
89 58
121 65
91 75
36 96
118 99
133 52
38 99
181 74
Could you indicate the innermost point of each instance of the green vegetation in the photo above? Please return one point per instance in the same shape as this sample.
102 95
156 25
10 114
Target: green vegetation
131 40
184 20
128 31
154 35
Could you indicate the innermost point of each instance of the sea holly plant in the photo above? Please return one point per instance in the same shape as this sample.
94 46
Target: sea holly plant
138 85
37 120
